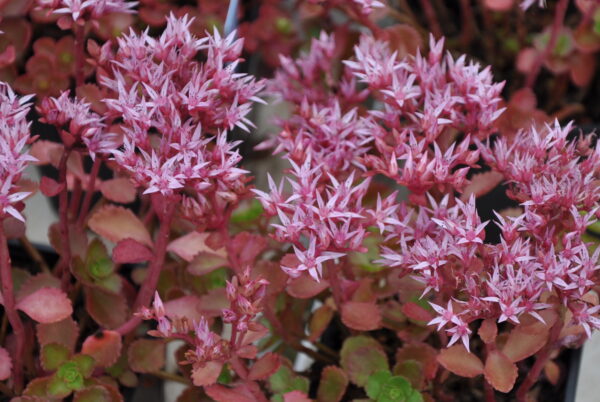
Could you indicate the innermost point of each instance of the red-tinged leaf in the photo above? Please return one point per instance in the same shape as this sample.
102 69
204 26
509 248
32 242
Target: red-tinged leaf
319 321
264 367
296 396
246 247
460 362
333 384
35 283
193 243
249 392
46 152
305 287
119 190
116 223
46 305
5 364
583 67
13 228
36 388
207 374
107 309
104 346
50 187
423 353
415 312
499 5
481 184
186 306
192 394
90 92
586 40
146 355
500 372
361 316
488 331
552 372
256 331
212 303
130 251
521 344
64 332
362 356
7 57
526 59
95 393
205 262
247 352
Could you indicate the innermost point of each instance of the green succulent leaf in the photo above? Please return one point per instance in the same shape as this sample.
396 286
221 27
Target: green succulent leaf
382 386
98 263
85 364
53 355
70 375
284 380
248 213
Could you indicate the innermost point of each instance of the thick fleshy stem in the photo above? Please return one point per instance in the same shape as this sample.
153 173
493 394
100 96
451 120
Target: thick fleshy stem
559 17
540 361
79 54
148 288
89 192
63 216
11 312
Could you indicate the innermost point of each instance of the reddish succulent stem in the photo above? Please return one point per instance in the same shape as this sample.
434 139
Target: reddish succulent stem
540 361
151 282
467 22
89 192
432 20
75 198
334 282
63 216
79 54
559 17
11 312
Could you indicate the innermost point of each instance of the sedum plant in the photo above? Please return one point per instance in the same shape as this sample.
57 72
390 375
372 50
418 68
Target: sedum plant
369 257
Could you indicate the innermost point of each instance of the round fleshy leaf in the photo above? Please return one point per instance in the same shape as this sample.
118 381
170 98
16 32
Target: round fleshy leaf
333 384
53 356
296 396
488 330
423 353
500 372
104 346
94 393
46 305
64 332
319 321
191 244
305 287
107 309
207 374
416 312
130 251
35 283
362 356
499 5
146 355
116 223
119 190
264 367
186 306
521 344
239 393
461 362
5 364
285 380
361 316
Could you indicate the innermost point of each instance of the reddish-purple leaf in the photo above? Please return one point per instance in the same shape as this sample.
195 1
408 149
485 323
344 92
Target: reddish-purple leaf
35 283
481 184
50 187
5 364
186 306
239 393
206 374
190 245
319 321
522 343
119 190
415 312
130 251
107 309
461 362
488 330
95 393
296 396
205 262
146 355
362 356
499 5
361 316
264 367
46 305
500 372
64 332
305 287
116 223
422 353
212 303
104 346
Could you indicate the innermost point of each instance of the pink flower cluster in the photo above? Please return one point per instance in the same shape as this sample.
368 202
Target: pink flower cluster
541 259
176 111
77 123
87 9
14 158
323 219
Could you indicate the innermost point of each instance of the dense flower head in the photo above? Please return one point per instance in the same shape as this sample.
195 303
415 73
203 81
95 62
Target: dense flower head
87 9
540 255
74 118
176 112
14 158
